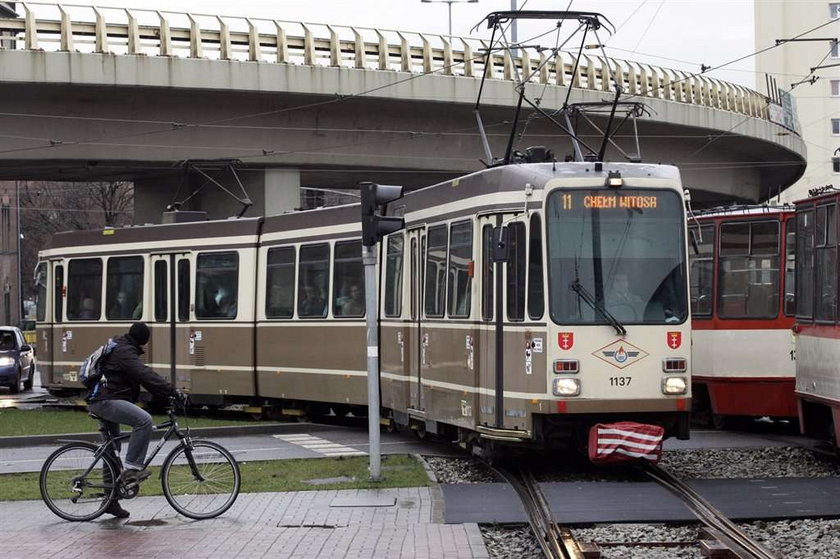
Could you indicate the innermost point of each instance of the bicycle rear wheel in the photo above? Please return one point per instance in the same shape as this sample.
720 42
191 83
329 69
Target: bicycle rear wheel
75 484
200 481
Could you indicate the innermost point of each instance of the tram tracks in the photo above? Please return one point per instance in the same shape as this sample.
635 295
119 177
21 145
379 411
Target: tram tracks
718 526
719 536
555 541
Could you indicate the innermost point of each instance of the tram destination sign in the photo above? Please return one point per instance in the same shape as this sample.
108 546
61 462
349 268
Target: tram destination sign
609 201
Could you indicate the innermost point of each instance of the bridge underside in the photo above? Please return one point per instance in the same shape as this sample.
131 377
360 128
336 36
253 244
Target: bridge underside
81 133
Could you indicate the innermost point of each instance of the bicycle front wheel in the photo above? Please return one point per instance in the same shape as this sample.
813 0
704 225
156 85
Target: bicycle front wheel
201 480
75 484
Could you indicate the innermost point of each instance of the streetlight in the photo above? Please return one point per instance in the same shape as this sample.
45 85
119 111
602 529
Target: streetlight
449 2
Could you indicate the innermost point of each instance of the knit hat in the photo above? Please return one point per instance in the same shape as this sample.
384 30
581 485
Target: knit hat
139 332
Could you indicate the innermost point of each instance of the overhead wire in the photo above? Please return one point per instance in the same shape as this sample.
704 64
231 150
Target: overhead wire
652 19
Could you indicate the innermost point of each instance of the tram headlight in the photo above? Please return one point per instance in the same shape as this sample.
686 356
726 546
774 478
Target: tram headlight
6 361
564 386
674 385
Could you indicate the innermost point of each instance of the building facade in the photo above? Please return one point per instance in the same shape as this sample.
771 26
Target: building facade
817 101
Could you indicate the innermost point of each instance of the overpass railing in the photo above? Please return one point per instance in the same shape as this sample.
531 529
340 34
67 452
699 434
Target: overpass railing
118 31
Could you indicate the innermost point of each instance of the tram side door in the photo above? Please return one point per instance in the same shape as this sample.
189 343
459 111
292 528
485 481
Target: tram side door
416 243
491 273
170 313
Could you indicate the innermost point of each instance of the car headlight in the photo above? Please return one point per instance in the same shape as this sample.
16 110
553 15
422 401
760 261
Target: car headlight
674 385
565 386
6 361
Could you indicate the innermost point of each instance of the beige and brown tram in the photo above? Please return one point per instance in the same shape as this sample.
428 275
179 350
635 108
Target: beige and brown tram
521 303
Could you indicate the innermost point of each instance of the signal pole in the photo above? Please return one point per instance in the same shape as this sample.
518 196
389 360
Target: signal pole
375 225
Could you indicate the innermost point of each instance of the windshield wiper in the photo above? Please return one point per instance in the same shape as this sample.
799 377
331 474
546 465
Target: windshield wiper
587 296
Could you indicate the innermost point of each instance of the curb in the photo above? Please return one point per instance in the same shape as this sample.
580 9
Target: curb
204 432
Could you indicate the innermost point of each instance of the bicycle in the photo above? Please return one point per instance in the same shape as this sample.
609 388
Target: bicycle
200 479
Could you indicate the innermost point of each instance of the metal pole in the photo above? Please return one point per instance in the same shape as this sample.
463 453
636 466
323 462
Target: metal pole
450 17
19 259
369 262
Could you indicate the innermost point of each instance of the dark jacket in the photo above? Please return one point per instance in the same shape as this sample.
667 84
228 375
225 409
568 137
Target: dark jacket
126 373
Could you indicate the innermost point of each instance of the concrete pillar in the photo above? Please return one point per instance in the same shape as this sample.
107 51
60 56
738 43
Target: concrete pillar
282 190
271 191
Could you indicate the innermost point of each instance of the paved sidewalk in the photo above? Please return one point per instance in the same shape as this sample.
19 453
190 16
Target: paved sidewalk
301 525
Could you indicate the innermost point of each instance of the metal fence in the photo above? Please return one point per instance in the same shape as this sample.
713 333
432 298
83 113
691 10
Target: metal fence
88 29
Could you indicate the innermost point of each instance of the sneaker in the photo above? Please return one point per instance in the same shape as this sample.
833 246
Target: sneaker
134 476
115 509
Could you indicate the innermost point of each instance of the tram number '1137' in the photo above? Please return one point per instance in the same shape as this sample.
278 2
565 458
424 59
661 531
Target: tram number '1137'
619 381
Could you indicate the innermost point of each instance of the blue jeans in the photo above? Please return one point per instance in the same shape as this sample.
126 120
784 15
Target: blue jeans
116 412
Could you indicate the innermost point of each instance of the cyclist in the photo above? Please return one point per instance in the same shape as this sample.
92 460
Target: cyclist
124 374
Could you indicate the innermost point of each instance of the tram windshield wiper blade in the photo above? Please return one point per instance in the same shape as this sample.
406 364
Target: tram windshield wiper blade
592 302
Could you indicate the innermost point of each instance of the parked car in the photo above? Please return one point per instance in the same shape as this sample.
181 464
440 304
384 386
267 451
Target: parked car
17 360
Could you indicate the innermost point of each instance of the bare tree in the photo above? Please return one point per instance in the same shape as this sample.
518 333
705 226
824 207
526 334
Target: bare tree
50 207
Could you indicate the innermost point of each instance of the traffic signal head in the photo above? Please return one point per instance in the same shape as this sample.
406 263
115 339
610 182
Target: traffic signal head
374 199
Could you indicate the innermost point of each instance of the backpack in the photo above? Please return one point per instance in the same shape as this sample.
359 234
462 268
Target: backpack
91 373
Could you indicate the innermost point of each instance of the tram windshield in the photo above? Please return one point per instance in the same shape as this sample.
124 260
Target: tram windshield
624 247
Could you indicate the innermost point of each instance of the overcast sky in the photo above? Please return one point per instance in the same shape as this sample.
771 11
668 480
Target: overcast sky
680 34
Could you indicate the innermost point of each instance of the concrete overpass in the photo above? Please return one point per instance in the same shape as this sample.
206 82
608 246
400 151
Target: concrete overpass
98 93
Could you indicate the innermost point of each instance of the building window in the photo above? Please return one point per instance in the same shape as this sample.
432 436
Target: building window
834 10
835 49
835 164
835 88
835 126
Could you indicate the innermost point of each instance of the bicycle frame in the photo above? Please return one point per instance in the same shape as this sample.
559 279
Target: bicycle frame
171 427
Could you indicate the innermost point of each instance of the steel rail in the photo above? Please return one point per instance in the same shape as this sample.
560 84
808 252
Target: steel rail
747 548
555 541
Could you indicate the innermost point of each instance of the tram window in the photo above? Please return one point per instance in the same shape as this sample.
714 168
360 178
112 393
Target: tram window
790 267
348 280
161 291
536 291
460 270
41 292
487 266
183 290
748 278
393 275
826 261
280 283
217 285
58 294
313 281
124 288
435 271
805 263
84 289
516 272
700 269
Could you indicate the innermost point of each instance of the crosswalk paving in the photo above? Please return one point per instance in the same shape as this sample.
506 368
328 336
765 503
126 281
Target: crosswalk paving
319 445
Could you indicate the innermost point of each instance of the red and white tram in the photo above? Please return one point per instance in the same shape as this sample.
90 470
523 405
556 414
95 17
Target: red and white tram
742 304
818 333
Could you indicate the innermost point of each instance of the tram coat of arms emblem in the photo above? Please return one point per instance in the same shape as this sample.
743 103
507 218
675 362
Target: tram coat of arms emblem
674 340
